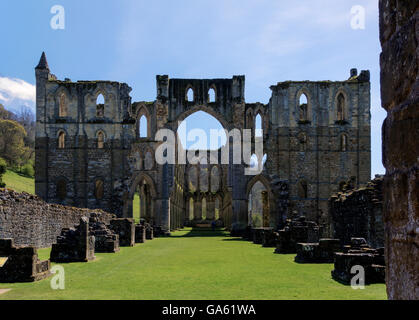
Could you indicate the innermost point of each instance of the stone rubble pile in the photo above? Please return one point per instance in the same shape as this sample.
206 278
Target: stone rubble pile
125 229
296 231
21 264
106 241
74 244
359 253
359 213
320 252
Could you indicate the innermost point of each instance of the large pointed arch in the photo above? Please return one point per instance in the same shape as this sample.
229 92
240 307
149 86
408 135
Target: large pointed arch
207 109
142 176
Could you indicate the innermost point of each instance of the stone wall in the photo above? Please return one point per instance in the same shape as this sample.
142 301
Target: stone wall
317 154
29 221
358 213
399 35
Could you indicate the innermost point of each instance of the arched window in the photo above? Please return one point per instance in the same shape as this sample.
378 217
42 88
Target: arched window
211 95
193 179
303 107
61 140
62 106
191 209
203 178
100 106
204 209
258 126
343 142
303 190
215 179
143 127
190 96
61 189
100 140
341 107
99 190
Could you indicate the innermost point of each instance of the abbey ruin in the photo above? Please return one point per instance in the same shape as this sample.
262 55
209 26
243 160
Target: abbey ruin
90 152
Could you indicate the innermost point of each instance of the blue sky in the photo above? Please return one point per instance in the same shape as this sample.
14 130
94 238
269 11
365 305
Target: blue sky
133 40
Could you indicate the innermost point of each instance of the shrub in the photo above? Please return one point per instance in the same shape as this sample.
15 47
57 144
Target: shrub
28 170
3 168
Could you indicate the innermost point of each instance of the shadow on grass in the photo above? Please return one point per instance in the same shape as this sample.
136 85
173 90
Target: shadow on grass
204 232
236 239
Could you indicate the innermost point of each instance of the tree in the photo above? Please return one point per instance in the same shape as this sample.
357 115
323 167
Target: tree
3 167
6 114
27 119
12 145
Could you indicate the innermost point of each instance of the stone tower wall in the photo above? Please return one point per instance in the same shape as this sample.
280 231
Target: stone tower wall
399 34
311 151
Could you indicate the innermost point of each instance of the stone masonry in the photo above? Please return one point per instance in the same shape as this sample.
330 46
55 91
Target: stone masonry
30 221
91 152
74 244
399 35
358 213
359 254
21 263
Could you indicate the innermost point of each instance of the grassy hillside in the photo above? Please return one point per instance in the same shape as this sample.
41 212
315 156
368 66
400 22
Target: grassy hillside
19 183
191 264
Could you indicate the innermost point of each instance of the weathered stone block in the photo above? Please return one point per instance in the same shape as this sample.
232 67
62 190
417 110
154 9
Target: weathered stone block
322 252
140 234
125 228
74 245
358 213
359 254
22 264
106 241
269 238
149 232
296 231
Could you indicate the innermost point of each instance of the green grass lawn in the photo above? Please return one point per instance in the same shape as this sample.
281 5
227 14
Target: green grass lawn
19 183
194 265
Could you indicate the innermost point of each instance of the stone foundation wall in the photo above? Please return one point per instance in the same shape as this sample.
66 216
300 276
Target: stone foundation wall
29 221
399 35
359 214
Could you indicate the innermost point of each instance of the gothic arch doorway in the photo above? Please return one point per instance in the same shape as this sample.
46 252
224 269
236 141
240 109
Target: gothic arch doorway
141 199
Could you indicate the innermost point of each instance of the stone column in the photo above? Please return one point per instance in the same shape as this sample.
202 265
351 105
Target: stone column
210 208
187 212
265 209
239 215
198 210
399 35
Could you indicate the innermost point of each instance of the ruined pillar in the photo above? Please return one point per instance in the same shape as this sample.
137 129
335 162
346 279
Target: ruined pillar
265 209
210 208
198 210
399 35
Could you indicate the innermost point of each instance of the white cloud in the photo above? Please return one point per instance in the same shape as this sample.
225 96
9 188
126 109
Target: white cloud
15 93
